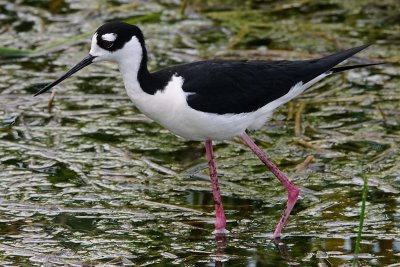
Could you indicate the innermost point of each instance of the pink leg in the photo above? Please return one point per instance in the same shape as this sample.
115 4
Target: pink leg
293 191
220 220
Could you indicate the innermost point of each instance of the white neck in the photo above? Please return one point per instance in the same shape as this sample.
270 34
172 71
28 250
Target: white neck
129 59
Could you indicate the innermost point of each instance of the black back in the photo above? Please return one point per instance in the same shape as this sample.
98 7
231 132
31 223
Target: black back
223 87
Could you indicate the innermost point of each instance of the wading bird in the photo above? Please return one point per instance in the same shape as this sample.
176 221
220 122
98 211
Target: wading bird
210 100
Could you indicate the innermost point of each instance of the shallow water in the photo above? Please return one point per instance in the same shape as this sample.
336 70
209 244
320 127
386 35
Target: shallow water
92 181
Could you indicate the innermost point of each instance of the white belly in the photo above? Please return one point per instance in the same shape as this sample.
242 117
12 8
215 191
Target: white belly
196 125
170 109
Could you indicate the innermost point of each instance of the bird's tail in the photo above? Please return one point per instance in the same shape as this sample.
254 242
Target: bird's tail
344 68
332 60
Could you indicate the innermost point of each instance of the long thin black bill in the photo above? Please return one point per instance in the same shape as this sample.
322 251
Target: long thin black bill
85 62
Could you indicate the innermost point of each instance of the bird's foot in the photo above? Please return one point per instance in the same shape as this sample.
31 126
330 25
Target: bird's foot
220 231
272 236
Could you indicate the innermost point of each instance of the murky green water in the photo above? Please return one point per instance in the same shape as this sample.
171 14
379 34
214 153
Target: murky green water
94 182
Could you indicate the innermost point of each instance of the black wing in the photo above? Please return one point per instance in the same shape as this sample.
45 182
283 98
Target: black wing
244 86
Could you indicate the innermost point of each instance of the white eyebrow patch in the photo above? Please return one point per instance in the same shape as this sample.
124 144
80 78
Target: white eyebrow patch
109 37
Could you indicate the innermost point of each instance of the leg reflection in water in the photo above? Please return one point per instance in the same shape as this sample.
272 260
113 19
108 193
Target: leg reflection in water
284 251
221 241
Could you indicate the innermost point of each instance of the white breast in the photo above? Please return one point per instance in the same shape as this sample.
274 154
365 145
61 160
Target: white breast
170 109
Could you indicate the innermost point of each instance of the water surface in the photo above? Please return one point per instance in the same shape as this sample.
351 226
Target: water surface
92 181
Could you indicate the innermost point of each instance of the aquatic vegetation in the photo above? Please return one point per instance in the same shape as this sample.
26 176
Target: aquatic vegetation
91 180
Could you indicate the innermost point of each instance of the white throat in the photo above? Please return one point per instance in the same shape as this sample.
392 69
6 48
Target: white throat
129 59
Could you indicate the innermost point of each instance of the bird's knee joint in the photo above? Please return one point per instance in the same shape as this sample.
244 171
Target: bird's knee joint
293 192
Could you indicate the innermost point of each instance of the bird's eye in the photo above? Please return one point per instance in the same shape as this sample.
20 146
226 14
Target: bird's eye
108 44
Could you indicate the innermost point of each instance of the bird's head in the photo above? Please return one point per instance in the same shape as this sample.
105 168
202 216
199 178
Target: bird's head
113 41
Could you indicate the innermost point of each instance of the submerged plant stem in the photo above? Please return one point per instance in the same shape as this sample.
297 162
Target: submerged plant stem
297 126
183 7
361 222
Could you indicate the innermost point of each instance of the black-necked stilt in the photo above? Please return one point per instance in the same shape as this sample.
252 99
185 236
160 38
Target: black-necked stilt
210 100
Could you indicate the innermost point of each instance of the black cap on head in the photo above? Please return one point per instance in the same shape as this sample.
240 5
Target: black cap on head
122 32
